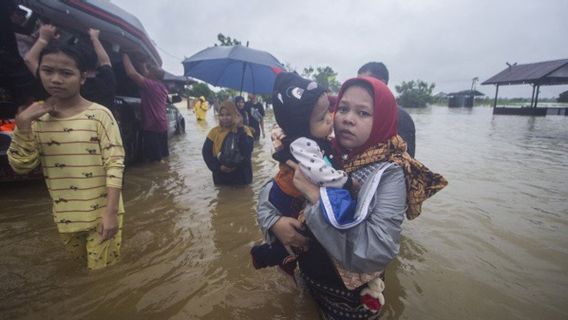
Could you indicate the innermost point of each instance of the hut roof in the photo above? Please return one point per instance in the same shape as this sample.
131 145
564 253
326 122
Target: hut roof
541 73
466 93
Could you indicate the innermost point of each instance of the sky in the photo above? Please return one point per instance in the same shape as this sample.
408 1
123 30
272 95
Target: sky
447 42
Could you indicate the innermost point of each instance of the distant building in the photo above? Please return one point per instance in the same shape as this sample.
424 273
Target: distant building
462 98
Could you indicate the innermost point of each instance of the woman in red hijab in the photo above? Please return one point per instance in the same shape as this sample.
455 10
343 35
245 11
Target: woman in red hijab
343 269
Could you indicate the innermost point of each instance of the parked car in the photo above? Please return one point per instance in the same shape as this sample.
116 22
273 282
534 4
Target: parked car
130 115
119 30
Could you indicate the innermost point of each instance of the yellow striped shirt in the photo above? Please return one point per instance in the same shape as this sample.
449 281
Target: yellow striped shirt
80 156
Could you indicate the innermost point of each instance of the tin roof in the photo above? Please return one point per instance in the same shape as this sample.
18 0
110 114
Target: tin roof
541 73
466 93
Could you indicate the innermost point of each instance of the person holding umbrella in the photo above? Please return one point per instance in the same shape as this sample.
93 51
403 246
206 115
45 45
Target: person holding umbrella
230 127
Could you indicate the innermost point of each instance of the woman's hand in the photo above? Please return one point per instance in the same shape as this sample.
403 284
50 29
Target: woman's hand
33 112
287 230
305 186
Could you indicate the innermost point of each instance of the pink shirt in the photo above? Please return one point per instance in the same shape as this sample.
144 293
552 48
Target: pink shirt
154 95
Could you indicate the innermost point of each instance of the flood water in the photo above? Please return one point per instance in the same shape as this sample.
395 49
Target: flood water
492 245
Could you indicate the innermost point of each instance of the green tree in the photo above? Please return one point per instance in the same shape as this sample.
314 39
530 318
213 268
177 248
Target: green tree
226 94
324 76
563 97
415 93
199 89
226 40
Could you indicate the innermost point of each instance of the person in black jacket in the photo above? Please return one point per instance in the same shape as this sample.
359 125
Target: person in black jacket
230 121
406 128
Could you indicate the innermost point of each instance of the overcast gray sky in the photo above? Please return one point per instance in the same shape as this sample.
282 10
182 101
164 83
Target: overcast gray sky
448 42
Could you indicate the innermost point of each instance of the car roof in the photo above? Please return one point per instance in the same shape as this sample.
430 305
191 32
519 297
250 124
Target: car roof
117 25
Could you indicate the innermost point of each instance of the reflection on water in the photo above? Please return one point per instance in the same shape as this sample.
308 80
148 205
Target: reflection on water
492 245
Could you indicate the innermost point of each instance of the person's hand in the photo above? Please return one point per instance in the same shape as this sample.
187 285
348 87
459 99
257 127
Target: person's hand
109 226
287 230
47 32
94 33
305 186
276 135
226 169
33 112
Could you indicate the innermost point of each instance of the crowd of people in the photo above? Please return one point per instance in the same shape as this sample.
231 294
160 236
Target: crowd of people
347 179
332 215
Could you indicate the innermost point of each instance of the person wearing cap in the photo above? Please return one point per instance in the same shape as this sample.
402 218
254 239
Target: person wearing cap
200 107
301 108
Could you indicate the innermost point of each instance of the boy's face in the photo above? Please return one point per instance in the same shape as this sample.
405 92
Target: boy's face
321 122
60 76
240 104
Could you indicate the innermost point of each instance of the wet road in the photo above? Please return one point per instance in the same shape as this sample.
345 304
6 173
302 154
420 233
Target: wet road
492 245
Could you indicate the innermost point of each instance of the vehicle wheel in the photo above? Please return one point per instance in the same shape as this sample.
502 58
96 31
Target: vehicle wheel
180 126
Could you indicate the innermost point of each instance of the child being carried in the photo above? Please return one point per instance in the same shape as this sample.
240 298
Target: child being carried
302 110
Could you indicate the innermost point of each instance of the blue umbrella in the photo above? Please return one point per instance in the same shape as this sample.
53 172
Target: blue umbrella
236 67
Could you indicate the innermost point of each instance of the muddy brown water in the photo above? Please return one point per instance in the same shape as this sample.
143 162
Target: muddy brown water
492 245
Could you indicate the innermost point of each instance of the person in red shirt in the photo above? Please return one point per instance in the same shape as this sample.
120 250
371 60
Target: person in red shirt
154 96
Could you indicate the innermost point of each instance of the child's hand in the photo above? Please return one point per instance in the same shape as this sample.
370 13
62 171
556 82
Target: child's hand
33 112
94 33
277 135
47 32
108 226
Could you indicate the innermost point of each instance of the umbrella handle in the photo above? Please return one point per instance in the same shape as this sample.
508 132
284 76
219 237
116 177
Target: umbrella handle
243 77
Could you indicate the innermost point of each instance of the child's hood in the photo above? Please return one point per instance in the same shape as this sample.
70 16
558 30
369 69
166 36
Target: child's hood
294 99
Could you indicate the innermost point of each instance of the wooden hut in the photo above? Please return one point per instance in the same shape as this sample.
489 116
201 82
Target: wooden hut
546 73
462 98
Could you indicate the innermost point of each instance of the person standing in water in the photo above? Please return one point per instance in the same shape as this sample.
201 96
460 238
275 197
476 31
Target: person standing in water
79 147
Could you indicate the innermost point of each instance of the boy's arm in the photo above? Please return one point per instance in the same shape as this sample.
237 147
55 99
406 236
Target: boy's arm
109 219
31 59
112 153
102 55
23 153
131 72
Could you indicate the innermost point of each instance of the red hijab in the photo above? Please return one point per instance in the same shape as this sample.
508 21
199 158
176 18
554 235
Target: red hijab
385 117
